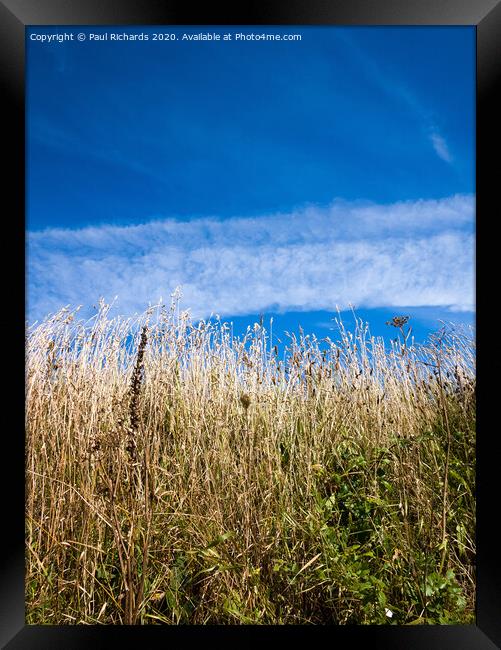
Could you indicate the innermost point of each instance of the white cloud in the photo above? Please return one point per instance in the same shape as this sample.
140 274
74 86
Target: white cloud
409 253
398 90
440 146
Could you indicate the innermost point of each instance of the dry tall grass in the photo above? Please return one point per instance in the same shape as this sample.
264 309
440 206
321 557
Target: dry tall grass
176 474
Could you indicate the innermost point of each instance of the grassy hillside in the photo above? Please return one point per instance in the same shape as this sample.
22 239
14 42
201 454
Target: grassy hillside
175 474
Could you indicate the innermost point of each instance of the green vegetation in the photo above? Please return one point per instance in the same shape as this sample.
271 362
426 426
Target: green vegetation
175 474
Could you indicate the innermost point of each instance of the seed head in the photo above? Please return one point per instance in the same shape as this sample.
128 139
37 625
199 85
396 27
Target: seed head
398 321
245 400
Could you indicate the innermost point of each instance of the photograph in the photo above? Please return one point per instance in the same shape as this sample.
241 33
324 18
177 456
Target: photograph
250 342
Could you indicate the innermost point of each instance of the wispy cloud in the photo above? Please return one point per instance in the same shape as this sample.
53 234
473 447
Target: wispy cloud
440 146
70 139
396 89
410 253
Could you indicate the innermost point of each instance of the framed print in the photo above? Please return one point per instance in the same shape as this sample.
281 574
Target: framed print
249 247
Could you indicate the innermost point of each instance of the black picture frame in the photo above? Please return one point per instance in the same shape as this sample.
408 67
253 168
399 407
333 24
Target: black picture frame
15 15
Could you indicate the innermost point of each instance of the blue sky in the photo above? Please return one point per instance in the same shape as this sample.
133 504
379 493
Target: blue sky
283 178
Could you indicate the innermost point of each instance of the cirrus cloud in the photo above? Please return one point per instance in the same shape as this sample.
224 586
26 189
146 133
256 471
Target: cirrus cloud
415 253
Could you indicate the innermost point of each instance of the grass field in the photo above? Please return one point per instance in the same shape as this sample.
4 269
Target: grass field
176 474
